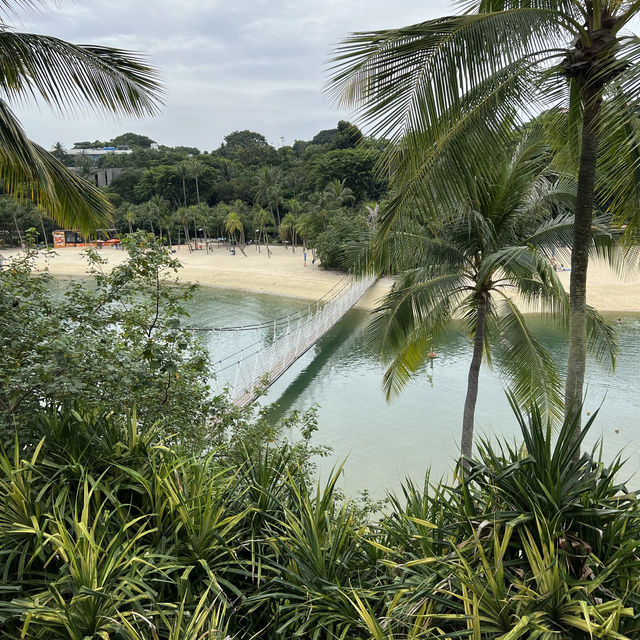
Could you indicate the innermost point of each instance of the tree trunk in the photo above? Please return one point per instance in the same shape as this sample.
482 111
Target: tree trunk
15 222
466 445
44 233
197 192
580 256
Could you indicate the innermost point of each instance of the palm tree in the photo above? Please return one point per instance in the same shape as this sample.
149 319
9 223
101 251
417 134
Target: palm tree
485 249
263 218
337 194
59 152
288 230
321 204
165 221
155 210
233 224
44 231
294 207
269 190
304 228
444 84
130 216
183 171
62 75
182 214
195 165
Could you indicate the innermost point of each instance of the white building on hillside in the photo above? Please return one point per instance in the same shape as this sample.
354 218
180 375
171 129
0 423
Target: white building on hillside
94 154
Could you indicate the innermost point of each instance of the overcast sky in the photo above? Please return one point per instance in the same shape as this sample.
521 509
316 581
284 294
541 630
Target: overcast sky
226 65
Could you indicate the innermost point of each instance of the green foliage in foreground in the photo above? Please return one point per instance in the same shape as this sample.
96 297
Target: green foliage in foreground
105 532
113 340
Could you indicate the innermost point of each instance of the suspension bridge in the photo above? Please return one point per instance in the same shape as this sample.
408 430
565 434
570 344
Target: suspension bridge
278 343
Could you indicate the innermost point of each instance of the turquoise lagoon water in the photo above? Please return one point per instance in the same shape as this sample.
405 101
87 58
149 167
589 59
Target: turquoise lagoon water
385 442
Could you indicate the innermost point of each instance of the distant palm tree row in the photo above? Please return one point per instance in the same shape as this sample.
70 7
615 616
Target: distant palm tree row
272 218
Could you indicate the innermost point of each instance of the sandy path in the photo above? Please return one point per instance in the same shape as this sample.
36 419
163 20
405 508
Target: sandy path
285 274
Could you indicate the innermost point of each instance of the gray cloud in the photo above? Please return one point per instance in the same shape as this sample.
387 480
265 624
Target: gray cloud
226 65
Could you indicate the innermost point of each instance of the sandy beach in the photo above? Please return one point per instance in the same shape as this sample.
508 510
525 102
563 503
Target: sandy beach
284 274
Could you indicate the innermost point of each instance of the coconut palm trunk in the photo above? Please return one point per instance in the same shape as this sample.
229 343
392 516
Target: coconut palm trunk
580 254
44 232
15 222
266 243
474 375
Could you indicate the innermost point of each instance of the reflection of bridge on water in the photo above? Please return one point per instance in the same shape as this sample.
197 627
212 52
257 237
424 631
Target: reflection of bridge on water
281 342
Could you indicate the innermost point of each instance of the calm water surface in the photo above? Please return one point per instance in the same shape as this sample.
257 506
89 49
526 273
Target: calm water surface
385 442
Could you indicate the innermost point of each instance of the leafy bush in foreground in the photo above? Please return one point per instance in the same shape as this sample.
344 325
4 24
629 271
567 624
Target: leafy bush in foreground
112 340
106 532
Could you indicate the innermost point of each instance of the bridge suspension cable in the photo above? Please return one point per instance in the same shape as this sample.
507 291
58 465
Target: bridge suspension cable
337 288
256 367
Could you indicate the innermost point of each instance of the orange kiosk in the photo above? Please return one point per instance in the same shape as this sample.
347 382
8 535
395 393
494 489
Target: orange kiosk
72 238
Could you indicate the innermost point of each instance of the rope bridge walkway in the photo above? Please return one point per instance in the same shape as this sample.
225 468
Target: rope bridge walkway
282 341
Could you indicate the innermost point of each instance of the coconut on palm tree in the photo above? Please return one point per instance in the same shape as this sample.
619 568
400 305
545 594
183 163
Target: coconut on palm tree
437 87
62 75
485 253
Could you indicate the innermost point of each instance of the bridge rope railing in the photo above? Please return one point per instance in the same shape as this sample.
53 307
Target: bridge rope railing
257 366
337 288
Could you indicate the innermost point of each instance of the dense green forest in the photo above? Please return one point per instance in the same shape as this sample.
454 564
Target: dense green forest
316 193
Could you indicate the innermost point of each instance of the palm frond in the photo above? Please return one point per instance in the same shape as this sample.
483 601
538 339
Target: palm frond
411 248
527 271
10 7
30 172
68 76
428 87
391 75
602 339
570 8
525 364
411 314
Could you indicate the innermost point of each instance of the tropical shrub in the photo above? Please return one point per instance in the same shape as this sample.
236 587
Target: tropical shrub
107 532
116 340
333 245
